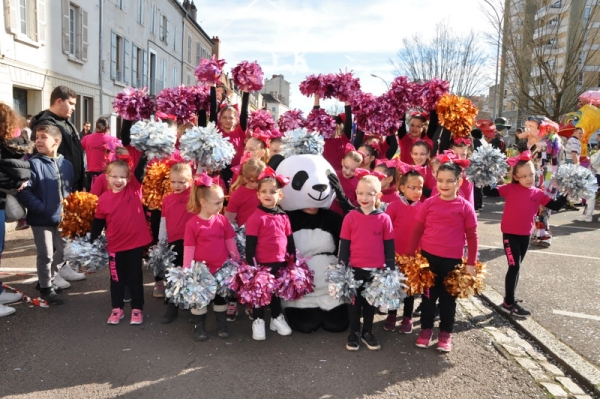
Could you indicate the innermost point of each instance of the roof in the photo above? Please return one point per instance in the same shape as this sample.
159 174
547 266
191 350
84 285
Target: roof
269 98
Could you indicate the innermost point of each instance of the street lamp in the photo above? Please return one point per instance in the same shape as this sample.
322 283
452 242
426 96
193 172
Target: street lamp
382 79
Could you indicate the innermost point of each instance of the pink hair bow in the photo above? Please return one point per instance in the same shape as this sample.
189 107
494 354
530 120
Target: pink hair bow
418 114
349 147
262 136
225 105
162 116
405 168
389 163
462 140
203 180
359 173
524 156
269 172
450 156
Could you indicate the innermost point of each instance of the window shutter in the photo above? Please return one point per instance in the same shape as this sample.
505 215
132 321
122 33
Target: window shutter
15 25
167 32
113 55
126 62
65 26
84 35
134 66
41 21
161 35
145 69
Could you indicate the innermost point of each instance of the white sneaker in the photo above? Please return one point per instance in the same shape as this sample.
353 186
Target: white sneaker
585 218
69 274
61 282
258 330
280 325
9 297
6 310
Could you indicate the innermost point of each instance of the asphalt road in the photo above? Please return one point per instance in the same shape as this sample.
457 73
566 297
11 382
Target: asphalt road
69 351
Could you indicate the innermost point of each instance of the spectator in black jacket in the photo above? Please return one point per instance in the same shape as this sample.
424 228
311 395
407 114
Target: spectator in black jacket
62 105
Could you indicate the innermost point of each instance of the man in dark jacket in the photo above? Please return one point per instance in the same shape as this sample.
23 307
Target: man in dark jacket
62 105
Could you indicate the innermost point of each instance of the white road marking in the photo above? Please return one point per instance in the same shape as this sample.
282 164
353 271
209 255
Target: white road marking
580 315
552 225
544 252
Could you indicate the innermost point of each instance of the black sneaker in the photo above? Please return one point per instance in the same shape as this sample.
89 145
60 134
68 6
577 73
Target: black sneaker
55 287
515 310
369 339
50 296
353 343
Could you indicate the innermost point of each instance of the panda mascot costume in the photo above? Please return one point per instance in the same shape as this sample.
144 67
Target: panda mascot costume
316 230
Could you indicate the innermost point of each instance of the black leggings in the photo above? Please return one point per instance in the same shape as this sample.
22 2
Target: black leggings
126 270
407 308
259 312
515 248
360 305
440 267
153 217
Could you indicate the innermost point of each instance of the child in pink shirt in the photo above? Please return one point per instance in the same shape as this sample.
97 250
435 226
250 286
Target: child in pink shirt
441 226
96 147
174 217
268 239
389 190
366 243
120 211
403 213
347 181
420 153
523 200
100 184
208 237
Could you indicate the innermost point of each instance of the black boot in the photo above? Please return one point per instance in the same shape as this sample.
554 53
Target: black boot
49 295
170 314
200 328
222 324
56 288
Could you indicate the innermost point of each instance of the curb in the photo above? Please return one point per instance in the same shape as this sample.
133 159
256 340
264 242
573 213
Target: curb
585 372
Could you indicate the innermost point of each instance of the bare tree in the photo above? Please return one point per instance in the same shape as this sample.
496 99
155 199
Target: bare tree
459 59
550 52
335 109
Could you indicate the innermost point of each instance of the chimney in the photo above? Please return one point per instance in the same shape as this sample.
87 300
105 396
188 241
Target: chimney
193 11
186 5
216 50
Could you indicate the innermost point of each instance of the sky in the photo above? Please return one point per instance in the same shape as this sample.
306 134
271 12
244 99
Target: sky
297 38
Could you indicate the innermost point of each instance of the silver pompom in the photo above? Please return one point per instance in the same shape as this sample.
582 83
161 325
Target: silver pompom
82 254
301 141
575 181
223 276
207 147
240 239
192 287
156 139
160 258
342 284
488 165
386 290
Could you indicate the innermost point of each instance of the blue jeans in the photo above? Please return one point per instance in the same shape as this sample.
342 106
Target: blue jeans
2 234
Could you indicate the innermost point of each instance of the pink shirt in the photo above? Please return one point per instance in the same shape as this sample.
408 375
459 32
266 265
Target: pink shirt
272 231
366 234
126 226
174 210
209 236
349 186
521 205
236 137
390 195
465 191
100 185
335 150
446 223
243 202
135 155
403 216
95 149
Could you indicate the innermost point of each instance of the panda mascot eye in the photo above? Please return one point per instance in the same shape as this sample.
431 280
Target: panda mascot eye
299 179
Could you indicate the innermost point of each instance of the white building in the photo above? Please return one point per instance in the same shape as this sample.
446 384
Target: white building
279 88
275 106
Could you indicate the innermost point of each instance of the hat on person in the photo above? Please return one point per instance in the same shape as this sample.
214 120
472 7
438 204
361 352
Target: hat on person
501 123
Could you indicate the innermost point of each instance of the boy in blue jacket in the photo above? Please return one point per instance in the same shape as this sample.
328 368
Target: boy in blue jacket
51 181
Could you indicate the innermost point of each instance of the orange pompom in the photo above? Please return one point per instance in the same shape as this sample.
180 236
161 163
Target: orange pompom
156 185
456 114
461 284
419 276
79 209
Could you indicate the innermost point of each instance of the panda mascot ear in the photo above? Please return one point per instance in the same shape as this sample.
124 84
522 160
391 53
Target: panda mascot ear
275 160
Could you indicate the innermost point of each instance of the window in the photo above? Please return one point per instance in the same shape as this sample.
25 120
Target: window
556 4
120 4
74 31
586 13
117 57
137 66
580 79
273 109
189 49
87 108
153 20
175 38
23 16
174 77
163 73
140 12
198 53
27 19
165 25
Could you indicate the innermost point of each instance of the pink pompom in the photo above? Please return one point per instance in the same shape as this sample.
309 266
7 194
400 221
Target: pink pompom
179 101
320 121
290 120
134 104
401 90
322 85
346 86
262 120
209 70
295 280
254 285
426 95
310 85
201 97
377 115
248 74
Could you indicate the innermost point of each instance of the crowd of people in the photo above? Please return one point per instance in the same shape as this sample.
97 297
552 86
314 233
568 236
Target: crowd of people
391 204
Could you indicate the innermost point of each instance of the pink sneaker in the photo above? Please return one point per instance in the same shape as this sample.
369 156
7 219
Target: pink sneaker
137 316
424 338
115 316
406 325
444 341
390 322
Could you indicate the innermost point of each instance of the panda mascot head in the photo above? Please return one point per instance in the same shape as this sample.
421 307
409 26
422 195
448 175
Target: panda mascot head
316 229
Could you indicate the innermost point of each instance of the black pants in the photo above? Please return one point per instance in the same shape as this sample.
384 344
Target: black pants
515 248
407 308
89 179
478 197
126 270
153 217
440 267
360 305
259 313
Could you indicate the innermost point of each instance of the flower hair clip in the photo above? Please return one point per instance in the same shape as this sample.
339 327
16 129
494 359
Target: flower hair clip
269 172
203 180
524 156
359 173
